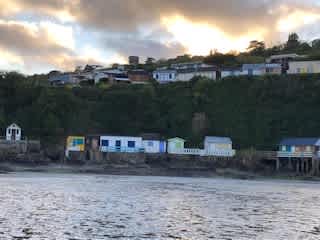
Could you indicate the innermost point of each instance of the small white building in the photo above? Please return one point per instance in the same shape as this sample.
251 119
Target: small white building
165 75
185 75
229 72
13 133
176 145
154 146
218 146
121 144
300 67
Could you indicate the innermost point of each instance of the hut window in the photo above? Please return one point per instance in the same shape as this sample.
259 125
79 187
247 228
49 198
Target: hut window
105 143
150 144
131 144
9 130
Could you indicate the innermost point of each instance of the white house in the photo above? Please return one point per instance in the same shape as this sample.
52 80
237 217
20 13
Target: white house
304 67
262 69
154 146
186 75
228 72
165 75
121 144
175 145
13 133
188 65
218 146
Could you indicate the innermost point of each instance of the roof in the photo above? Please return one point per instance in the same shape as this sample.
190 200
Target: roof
14 125
299 141
151 136
177 138
197 70
290 55
225 140
229 69
165 71
254 66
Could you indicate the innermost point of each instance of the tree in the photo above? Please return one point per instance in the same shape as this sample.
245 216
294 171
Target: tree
293 41
316 44
257 47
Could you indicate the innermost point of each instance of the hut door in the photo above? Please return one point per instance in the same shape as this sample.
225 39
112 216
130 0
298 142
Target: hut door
13 134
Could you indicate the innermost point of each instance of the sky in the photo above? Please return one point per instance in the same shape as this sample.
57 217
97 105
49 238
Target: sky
37 36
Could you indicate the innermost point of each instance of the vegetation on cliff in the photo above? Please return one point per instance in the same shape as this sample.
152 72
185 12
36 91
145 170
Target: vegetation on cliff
255 111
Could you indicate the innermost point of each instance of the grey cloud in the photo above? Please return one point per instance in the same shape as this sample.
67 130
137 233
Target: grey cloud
232 16
126 46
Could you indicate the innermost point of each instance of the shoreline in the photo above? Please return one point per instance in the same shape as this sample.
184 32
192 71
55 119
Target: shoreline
227 173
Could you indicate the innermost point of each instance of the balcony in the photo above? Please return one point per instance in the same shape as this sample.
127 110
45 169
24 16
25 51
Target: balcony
297 154
121 149
226 153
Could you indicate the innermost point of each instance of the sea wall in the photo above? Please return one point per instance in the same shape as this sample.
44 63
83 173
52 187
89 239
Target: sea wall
21 152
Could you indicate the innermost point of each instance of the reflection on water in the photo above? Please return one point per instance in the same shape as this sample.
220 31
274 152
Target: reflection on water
40 206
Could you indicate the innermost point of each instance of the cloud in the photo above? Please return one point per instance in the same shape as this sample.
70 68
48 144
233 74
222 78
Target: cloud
144 27
144 47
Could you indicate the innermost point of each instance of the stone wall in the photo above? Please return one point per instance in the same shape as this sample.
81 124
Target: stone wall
20 151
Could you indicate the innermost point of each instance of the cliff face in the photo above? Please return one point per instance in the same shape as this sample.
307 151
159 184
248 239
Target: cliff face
254 112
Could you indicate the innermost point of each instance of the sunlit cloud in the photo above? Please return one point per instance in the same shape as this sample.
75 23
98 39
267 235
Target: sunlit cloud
10 61
297 19
200 38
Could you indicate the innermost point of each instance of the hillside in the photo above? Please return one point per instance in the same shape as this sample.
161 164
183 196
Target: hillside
255 112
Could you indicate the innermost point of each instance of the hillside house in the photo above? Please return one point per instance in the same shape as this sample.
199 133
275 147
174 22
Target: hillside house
139 76
13 133
283 60
299 67
185 75
122 144
218 146
165 75
262 69
228 72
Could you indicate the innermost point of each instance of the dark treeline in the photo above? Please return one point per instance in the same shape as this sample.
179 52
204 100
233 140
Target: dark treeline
256 52
255 112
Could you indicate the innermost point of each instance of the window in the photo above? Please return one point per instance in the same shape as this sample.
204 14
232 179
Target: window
170 76
157 76
18 132
105 143
131 144
9 131
150 144
118 143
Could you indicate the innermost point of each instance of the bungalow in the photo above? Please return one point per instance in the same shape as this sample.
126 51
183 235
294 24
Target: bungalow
304 67
13 133
58 79
176 146
139 76
75 144
228 72
218 146
299 148
189 65
121 144
165 75
283 60
262 69
186 75
153 144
